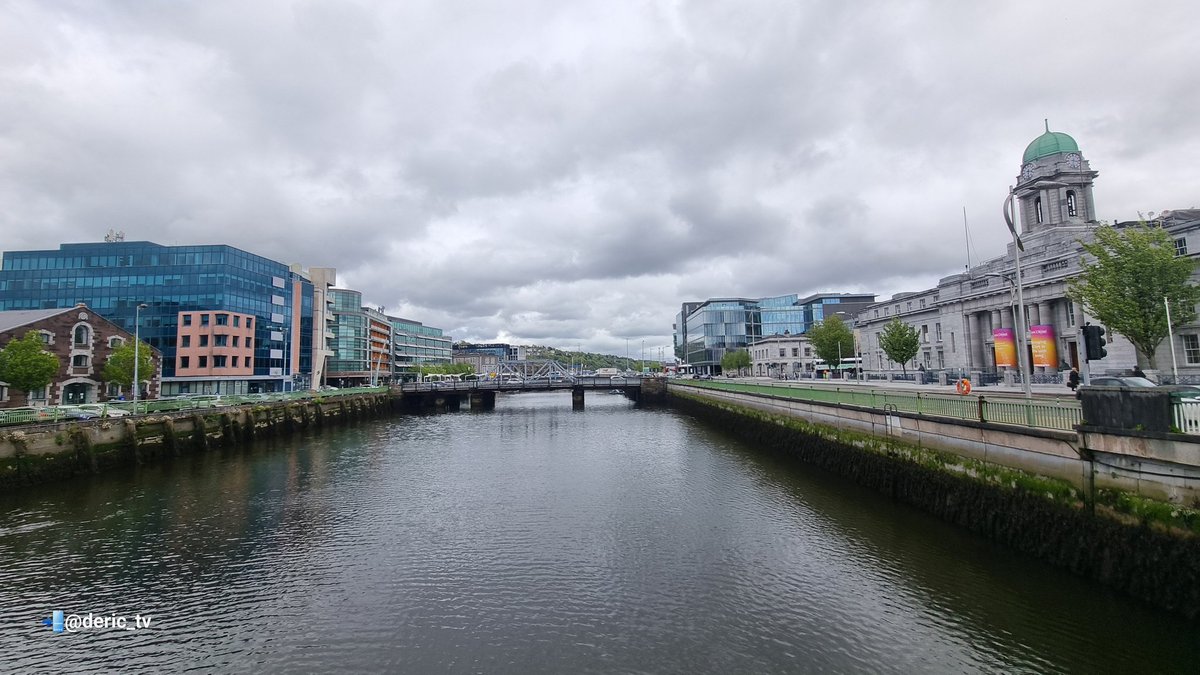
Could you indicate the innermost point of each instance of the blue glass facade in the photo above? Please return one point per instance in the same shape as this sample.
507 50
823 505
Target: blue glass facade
114 277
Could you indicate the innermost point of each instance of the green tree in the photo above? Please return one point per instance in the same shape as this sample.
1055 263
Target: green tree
119 365
445 369
735 361
900 342
26 365
832 340
1135 269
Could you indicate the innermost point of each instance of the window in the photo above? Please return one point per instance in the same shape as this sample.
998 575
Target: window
235 340
782 352
203 340
82 335
925 338
1181 246
114 390
922 303
79 361
222 319
248 341
908 306
114 342
187 319
952 341
1191 349
876 314
1070 313
1071 203
795 351
937 332
220 340
249 322
185 362
237 321
203 319
1037 207
47 337
219 361
203 362
233 361
187 341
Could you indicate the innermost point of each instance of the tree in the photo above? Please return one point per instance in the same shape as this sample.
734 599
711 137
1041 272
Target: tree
900 342
119 365
1135 269
832 340
26 365
735 360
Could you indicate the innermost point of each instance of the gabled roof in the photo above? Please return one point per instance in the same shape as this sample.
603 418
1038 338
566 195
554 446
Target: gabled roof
15 318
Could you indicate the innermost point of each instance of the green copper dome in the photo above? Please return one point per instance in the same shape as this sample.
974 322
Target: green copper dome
1049 143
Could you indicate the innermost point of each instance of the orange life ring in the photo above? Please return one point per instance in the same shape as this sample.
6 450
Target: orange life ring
964 386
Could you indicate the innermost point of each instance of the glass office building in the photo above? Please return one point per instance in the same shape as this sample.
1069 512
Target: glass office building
113 278
415 344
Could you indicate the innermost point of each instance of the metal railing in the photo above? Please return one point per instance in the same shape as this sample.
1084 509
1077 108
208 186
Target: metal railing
1061 414
68 412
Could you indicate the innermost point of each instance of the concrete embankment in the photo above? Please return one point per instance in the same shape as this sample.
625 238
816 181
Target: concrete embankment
41 453
1043 516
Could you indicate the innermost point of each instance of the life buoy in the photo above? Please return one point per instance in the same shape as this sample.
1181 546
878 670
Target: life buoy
964 386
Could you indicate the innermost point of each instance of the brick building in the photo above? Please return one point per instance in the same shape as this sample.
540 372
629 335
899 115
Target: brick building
82 340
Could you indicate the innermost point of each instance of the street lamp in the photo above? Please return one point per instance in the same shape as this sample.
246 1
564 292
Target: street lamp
1022 356
137 325
287 353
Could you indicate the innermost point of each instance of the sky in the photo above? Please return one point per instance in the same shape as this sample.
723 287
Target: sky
568 173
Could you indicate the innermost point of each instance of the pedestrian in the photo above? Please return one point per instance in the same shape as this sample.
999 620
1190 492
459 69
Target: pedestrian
1137 371
1073 379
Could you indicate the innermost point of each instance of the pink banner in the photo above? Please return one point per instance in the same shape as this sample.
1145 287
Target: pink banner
1006 348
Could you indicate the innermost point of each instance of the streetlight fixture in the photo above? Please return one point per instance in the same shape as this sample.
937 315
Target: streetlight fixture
137 326
1022 356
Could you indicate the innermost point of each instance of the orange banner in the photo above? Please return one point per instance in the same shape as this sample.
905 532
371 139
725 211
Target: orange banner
1045 353
1006 348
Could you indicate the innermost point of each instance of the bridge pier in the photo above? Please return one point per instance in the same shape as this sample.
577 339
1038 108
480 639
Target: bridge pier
483 400
576 398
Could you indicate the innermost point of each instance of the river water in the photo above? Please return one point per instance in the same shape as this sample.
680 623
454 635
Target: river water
535 539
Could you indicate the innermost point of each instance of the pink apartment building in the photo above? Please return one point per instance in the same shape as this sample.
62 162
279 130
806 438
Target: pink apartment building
215 347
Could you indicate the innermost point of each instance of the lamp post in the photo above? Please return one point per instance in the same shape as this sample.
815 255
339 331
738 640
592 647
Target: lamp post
1022 356
137 326
287 360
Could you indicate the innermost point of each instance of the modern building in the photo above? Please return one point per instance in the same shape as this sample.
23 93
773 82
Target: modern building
968 322
82 340
115 277
485 359
362 353
705 331
415 344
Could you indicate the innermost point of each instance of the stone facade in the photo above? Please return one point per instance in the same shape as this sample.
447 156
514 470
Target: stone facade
966 314
82 340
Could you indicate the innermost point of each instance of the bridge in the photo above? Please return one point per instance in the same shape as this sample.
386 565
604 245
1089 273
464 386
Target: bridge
482 393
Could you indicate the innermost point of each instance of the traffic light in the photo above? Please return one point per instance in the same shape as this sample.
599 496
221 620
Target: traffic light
1093 343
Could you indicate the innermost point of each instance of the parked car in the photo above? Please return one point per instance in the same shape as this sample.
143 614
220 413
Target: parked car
74 412
1110 381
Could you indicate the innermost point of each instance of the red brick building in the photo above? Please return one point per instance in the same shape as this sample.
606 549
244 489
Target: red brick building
82 340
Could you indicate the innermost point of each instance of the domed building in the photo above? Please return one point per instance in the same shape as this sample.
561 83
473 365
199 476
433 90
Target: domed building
967 324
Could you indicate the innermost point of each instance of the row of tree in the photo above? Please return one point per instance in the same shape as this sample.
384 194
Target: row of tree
1134 275
27 366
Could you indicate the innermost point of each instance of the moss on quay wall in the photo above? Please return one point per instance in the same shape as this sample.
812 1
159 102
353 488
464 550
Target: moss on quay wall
1044 517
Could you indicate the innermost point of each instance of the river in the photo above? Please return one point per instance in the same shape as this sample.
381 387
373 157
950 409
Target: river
534 539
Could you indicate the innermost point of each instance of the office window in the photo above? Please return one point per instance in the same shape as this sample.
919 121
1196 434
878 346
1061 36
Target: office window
203 319
187 341
236 338
222 319
203 340
185 362
237 321
1191 348
249 322
220 340
203 362
187 319
249 343
219 361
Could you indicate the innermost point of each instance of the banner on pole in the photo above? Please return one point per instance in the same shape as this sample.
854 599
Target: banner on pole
1006 348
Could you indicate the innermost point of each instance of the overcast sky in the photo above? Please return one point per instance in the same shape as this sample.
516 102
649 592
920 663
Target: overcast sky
566 173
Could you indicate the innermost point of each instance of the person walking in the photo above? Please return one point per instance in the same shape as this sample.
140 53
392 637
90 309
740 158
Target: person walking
1073 379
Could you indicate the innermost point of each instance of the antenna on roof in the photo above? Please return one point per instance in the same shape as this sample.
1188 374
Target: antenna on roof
1047 121
114 235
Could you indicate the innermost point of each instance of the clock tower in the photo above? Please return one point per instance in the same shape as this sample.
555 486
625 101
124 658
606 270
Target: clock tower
1055 184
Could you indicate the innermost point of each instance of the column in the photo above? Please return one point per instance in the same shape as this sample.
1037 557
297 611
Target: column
974 340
